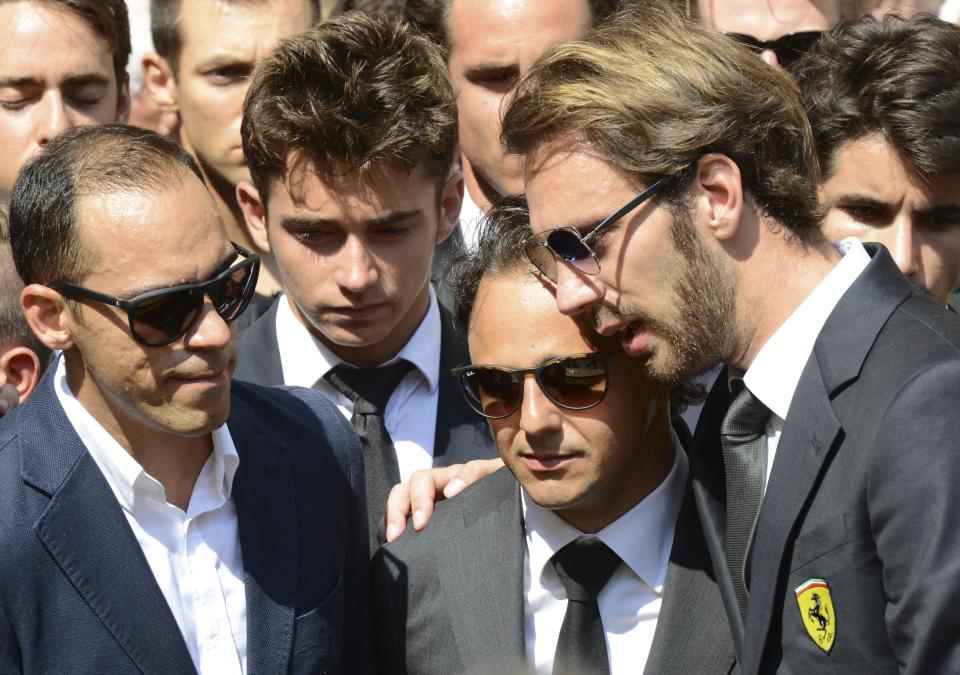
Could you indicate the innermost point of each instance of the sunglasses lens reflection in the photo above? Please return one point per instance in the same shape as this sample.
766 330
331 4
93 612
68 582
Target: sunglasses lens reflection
493 392
576 383
161 318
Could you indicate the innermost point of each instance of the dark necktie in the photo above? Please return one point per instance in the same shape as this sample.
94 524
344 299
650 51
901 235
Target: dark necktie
744 443
369 389
584 566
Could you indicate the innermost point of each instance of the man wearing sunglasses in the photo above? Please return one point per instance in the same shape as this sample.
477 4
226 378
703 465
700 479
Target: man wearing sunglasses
352 220
157 517
584 554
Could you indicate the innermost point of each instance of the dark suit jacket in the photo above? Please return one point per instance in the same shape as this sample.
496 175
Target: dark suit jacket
77 594
450 599
862 493
461 434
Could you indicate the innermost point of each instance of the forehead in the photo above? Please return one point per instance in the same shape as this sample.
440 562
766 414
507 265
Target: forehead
48 44
769 19
157 237
244 28
515 322
498 30
388 189
871 167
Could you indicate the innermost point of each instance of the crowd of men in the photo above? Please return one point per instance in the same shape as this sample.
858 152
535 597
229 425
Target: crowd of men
479 336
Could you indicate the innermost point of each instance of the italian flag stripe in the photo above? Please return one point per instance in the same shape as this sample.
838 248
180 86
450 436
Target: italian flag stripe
812 583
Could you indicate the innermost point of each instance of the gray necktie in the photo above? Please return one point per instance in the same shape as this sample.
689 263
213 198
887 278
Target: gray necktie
369 389
584 566
744 443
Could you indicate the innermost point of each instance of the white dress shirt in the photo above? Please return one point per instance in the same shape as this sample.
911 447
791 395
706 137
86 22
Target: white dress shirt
411 412
775 372
470 219
194 556
630 602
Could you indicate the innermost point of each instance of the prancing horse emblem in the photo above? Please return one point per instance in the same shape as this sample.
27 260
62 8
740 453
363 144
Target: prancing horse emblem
817 612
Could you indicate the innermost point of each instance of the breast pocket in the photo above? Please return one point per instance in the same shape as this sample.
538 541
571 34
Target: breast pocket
316 635
819 541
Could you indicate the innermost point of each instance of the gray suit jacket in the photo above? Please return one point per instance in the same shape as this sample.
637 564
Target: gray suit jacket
461 434
862 495
78 596
450 599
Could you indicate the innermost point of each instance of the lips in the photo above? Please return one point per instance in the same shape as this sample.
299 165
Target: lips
547 462
357 311
636 338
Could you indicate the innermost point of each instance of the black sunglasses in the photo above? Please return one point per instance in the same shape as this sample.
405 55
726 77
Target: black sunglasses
567 244
788 48
577 382
164 315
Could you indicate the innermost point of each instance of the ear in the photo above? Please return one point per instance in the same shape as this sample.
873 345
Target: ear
451 199
20 368
254 214
718 192
123 101
160 81
48 315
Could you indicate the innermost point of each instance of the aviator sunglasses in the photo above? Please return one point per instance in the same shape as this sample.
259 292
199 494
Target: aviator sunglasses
164 315
576 382
788 48
567 244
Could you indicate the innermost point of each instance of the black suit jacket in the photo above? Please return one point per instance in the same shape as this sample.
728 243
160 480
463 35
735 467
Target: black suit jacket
862 494
78 596
461 434
450 599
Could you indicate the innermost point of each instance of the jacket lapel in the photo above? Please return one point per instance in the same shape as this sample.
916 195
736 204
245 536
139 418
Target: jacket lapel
260 362
483 575
692 634
812 432
263 494
86 533
461 434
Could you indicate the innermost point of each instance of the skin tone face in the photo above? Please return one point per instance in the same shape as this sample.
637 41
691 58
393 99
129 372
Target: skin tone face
492 44
590 466
769 19
143 395
673 308
55 73
355 259
873 196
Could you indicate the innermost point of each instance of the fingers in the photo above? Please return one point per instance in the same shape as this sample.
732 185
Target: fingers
398 508
426 487
9 398
470 473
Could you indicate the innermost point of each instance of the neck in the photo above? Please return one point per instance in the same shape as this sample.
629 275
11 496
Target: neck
793 269
483 194
175 461
651 464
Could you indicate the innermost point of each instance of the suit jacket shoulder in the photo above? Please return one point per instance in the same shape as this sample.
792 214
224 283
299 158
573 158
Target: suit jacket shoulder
258 355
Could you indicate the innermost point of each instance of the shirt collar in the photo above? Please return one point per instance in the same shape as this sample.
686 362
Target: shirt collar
642 537
775 372
127 479
305 360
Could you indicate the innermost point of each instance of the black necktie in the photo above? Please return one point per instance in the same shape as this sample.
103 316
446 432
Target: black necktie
744 443
584 566
370 389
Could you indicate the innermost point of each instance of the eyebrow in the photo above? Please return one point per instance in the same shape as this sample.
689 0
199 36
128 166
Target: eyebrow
221 266
81 80
306 222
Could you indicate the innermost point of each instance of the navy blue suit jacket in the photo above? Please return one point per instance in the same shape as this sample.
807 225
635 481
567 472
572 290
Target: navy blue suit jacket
77 594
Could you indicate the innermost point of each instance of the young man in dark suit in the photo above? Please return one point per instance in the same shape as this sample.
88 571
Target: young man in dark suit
349 132
158 517
595 482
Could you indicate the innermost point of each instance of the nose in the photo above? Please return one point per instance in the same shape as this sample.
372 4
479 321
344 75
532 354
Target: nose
356 269
210 330
52 118
538 415
576 291
904 246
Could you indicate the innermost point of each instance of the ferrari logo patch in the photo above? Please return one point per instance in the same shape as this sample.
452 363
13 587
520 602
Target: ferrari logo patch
816 611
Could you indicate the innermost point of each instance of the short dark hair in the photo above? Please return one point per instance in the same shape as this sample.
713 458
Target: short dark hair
47 245
109 20
430 16
897 77
640 92
352 95
165 26
14 329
